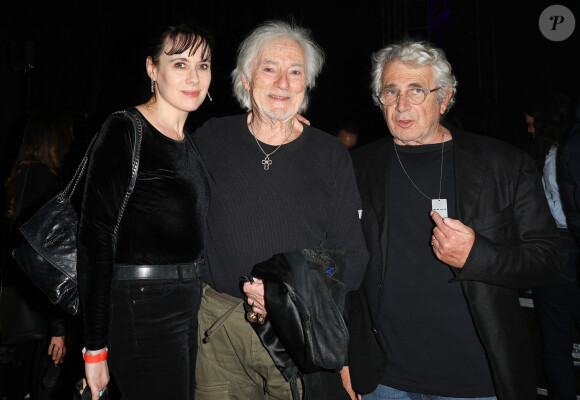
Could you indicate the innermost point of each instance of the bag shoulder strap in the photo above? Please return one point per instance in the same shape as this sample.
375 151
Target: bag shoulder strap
138 129
69 190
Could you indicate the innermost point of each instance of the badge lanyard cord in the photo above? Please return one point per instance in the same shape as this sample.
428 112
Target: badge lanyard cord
441 173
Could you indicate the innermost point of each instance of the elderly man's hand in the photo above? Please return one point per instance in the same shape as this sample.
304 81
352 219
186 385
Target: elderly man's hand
451 241
254 291
347 384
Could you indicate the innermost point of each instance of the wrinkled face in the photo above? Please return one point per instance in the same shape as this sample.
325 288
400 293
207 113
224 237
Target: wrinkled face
182 80
278 82
413 124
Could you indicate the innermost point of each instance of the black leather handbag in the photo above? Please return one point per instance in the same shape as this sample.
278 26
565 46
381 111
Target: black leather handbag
48 252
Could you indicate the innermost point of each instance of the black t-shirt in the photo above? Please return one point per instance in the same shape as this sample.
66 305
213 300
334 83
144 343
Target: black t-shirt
432 346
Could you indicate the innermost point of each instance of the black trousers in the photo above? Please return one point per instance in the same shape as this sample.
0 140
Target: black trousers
153 338
558 309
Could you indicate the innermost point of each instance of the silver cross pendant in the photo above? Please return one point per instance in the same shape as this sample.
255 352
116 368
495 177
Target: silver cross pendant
266 162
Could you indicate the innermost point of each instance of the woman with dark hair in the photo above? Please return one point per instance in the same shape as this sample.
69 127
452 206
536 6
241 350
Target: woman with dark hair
140 289
47 138
29 322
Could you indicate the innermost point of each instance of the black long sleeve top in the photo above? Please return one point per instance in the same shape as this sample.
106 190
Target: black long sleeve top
163 222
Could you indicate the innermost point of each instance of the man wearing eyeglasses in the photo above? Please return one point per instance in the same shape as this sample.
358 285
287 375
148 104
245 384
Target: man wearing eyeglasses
456 224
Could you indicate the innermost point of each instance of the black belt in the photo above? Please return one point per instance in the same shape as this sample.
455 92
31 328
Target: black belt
170 271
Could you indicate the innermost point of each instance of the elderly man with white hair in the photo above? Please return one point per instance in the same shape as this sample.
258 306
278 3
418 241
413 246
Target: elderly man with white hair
456 224
276 185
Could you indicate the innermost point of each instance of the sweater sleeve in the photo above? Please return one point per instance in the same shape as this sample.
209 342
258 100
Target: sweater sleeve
107 179
346 227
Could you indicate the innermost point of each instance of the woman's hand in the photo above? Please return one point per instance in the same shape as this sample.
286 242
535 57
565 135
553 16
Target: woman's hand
97 375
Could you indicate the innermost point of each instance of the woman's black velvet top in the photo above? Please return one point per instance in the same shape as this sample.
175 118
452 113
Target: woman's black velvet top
163 222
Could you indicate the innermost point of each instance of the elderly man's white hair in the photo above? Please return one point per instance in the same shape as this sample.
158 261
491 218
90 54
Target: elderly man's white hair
415 53
250 49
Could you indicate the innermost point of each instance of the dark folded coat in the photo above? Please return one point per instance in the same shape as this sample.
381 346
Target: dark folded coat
304 331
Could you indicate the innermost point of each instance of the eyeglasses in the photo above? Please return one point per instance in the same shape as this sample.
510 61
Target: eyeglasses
388 97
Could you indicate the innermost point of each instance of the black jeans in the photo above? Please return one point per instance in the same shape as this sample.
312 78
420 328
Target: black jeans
153 338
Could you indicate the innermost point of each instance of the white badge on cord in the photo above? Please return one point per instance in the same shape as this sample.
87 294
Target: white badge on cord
439 205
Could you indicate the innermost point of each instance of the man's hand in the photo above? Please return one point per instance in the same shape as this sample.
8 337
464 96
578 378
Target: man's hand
255 295
345 375
451 241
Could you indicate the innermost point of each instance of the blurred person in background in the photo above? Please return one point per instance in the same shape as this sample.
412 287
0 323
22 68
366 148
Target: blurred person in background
31 326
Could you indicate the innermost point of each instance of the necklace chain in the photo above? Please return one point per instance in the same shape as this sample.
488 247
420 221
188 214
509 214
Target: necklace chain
266 162
441 173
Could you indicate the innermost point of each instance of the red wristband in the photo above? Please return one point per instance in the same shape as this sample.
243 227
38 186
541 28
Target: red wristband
95 358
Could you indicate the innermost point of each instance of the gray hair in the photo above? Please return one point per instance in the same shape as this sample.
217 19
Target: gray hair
422 54
250 48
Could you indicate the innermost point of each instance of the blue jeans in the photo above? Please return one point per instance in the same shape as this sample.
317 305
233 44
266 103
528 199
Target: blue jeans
388 393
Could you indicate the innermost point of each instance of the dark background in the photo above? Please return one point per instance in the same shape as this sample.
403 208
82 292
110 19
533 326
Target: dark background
87 58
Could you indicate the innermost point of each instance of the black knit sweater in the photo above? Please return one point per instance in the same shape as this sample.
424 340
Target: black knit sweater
308 195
